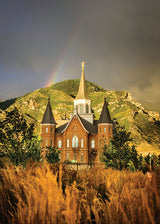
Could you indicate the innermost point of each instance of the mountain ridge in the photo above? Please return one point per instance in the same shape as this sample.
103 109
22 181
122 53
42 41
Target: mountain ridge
144 125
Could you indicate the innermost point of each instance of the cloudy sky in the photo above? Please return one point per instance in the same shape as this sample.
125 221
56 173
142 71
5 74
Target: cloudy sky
45 41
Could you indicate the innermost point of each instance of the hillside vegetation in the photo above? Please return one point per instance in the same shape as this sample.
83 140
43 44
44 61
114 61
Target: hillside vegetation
144 125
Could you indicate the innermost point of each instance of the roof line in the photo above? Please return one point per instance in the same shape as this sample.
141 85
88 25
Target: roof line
79 121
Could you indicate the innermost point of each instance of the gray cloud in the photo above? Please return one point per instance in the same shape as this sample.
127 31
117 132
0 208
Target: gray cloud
120 40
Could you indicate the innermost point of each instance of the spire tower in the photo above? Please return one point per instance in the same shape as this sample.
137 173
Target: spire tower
82 92
82 102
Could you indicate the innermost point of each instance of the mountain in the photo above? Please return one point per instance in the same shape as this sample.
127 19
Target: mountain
143 124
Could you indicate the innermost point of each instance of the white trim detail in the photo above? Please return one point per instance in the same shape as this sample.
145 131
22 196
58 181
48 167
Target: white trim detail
75 114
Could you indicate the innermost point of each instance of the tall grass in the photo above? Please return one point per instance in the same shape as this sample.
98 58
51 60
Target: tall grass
43 194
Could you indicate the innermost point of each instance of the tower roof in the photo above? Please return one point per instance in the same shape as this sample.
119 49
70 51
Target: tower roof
48 117
82 92
105 115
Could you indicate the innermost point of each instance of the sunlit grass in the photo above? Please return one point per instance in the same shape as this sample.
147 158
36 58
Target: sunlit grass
45 194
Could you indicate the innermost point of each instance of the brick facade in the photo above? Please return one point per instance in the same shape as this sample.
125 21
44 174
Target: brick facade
82 138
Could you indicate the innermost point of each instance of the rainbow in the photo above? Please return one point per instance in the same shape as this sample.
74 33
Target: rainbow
55 74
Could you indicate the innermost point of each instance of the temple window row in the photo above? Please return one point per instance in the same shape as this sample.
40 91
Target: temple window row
74 157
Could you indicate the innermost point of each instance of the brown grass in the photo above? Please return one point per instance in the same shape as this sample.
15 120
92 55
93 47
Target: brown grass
41 195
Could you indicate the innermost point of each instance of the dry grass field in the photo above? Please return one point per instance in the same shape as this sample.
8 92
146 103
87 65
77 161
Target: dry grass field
45 194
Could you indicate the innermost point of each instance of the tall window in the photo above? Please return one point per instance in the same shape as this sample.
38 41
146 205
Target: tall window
82 143
81 108
99 143
59 144
87 109
67 142
104 129
75 141
93 144
99 129
46 130
110 129
81 157
51 130
46 142
67 155
51 142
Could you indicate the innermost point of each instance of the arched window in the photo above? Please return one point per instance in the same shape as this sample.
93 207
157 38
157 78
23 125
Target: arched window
81 157
87 109
67 156
67 142
82 143
51 142
93 144
75 141
81 108
59 144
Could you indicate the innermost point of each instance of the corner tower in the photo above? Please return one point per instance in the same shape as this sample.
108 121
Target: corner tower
48 126
82 102
105 126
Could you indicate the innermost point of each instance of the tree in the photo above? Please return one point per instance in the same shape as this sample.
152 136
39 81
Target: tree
17 139
120 153
52 155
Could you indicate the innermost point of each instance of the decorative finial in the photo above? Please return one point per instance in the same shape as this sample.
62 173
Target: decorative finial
82 65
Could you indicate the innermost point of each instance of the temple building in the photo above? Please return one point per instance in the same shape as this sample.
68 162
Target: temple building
82 138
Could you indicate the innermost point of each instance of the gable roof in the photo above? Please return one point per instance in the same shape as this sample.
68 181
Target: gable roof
82 91
77 115
87 126
105 115
48 117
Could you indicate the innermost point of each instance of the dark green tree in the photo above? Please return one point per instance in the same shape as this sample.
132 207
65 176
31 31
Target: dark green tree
52 155
120 153
17 139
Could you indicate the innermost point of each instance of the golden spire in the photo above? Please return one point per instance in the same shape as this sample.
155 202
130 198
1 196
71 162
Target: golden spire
82 92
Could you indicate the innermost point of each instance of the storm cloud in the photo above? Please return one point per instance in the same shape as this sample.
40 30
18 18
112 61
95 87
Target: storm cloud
119 40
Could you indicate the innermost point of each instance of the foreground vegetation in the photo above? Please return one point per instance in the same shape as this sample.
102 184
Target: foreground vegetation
43 193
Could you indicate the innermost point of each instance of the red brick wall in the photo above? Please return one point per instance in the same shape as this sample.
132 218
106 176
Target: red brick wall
74 128
104 136
47 136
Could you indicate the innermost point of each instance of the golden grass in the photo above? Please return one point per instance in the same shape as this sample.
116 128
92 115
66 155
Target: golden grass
41 195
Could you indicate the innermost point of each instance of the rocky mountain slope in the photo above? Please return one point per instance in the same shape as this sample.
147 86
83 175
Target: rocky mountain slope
144 125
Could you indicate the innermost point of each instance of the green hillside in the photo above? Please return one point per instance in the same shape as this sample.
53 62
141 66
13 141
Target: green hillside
144 125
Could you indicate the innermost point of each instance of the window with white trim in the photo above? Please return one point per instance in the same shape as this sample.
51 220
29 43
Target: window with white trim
104 129
81 109
82 143
87 109
67 142
93 144
75 141
81 157
59 144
